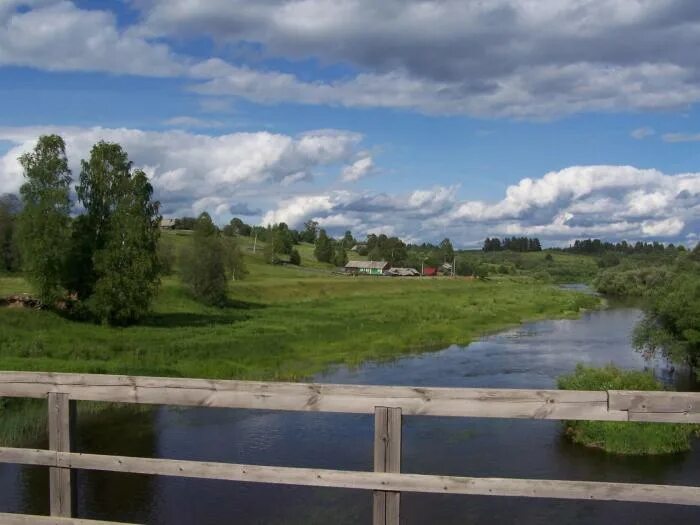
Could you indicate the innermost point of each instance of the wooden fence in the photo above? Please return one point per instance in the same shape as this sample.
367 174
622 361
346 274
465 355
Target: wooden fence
388 404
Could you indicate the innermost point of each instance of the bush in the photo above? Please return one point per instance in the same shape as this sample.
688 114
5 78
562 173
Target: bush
623 438
295 258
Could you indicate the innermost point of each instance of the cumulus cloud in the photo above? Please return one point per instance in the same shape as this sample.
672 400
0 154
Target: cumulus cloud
59 36
509 58
612 202
506 57
187 168
257 175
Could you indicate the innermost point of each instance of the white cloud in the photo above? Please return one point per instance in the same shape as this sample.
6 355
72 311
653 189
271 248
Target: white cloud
612 202
58 36
248 172
187 168
513 58
642 133
507 58
358 169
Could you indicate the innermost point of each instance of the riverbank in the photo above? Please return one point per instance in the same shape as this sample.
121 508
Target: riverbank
282 324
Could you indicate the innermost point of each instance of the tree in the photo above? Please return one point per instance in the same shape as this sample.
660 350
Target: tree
235 264
10 207
310 232
324 247
127 266
446 251
204 263
44 223
348 240
113 263
340 257
295 258
237 227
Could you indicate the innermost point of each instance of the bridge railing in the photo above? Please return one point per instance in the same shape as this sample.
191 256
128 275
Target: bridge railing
388 404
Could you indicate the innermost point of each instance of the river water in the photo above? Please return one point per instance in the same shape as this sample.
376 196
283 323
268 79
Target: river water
530 356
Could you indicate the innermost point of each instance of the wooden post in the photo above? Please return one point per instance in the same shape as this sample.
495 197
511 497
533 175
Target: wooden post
387 458
61 421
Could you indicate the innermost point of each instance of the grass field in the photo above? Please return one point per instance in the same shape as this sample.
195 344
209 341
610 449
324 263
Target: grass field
283 323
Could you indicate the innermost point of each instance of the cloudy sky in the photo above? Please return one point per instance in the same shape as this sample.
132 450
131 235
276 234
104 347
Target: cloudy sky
556 118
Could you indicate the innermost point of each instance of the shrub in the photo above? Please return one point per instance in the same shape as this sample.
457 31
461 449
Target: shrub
623 438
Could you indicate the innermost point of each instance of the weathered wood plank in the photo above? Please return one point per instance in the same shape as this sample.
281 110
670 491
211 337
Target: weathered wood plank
381 433
393 463
460 402
396 482
659 402
27 519
60 418
387 458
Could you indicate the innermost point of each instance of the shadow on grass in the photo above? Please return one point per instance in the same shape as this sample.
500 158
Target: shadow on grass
232 312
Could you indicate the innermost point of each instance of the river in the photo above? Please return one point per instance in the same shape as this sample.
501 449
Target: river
529 356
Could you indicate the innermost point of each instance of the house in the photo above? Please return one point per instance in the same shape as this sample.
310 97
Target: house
402 272
167 224
367 267
430 271
359 247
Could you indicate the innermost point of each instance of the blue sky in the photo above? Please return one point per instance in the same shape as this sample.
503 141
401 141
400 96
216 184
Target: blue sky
424 120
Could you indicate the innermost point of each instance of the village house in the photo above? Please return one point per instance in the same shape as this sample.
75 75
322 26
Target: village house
367 267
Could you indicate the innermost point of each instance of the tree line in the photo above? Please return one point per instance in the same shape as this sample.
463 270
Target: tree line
596 247
513 244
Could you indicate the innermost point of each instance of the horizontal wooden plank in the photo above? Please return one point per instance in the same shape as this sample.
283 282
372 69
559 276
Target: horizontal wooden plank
655 402
664 417
27 519
530 488
462 402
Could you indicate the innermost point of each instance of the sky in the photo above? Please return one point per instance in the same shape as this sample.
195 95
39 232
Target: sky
560 119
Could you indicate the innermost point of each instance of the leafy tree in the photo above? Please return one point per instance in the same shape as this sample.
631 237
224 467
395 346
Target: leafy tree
310 232
295 258
185 223
44 223
10 206
324 247
237 227
235 264
348 240
340 257
127 266
204 263
446 251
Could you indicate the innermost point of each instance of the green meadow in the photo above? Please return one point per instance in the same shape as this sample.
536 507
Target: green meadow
282 322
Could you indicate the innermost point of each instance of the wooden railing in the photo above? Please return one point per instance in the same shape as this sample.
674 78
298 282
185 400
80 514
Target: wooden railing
388 404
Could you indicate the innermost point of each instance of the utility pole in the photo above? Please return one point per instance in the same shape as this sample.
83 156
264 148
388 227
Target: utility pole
255 241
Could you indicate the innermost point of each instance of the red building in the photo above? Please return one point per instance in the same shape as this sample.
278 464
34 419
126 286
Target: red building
430 271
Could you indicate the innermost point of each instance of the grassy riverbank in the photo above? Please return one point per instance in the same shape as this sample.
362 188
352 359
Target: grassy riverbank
624 438
283 323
